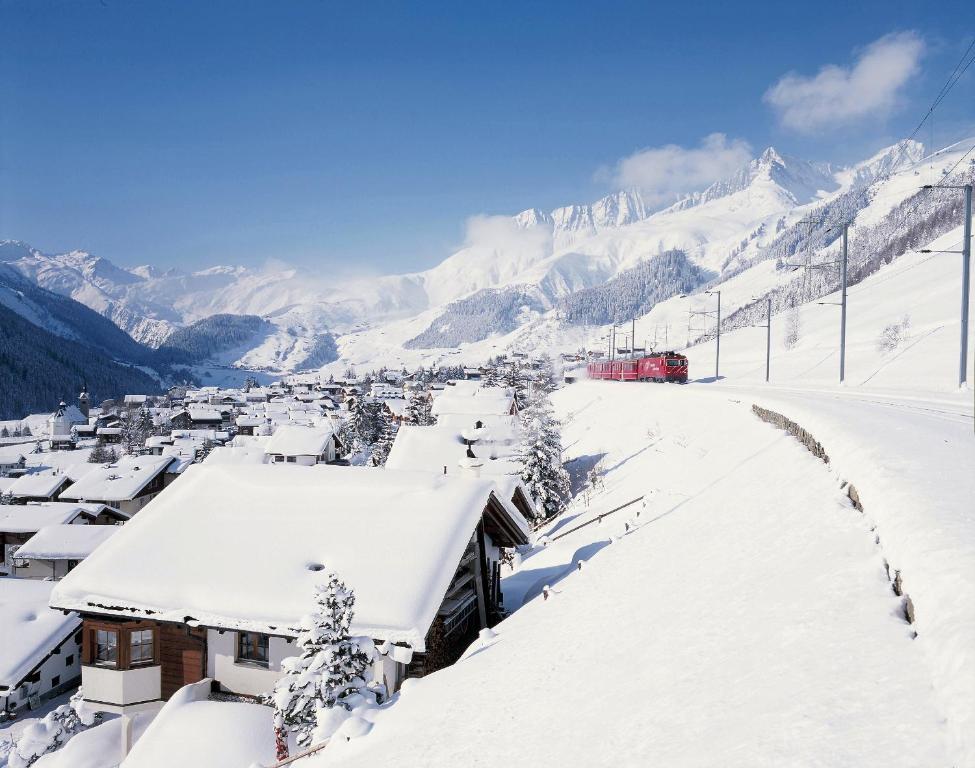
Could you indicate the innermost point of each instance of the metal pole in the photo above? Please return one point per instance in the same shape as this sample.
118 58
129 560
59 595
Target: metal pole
632 337
768 337
846 228
717 348
965 276
612 346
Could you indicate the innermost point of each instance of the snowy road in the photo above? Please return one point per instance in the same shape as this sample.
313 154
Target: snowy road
744 619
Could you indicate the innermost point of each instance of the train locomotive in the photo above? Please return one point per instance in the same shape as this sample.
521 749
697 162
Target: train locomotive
657 366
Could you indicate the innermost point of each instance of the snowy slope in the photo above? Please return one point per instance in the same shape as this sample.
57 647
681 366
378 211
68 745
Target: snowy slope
744 619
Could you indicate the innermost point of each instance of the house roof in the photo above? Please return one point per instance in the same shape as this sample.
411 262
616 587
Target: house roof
430 449
66 542
30 518
263 536
11 454
296 440
480 401
29 630
198 413
120 481
39 484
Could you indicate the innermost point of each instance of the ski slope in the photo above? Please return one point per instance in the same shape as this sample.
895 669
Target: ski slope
743 618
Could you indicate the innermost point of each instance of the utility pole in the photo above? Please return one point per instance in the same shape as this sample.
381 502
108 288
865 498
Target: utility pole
612 346
846 228
768 337
717 340
966 268
632 337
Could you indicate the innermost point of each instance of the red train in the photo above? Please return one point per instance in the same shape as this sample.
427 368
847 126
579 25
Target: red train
658 366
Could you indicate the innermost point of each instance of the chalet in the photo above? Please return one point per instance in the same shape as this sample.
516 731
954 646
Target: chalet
203 417
42 485
19 522
56 549
395 409
11 460
382 389
128 485
306 446
135 402
109 435
40 648
262 538
85 431
469 398
248 424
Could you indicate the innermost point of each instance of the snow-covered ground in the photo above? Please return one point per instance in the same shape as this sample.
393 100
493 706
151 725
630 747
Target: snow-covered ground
745 618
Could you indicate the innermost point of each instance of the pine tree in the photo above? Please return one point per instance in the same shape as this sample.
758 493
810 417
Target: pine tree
541 457
99 454
4 432
332 666
490 378
387 435
26 432
418 410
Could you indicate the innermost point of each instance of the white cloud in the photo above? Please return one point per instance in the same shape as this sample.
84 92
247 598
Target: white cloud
839 96
663 174
504 234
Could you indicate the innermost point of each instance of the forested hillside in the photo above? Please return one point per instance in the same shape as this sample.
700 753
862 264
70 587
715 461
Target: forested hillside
213 335
634 292
477 317
38 369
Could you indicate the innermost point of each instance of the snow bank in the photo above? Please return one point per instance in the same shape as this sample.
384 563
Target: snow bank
911 463
192 732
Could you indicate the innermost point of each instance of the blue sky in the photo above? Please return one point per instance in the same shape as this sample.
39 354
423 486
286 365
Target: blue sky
359 136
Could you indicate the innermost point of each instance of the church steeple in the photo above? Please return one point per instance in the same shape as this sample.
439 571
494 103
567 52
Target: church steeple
83 400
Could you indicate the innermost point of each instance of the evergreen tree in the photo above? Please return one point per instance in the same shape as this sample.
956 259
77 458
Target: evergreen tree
332 666
26 431
490 378
4 432
418 410
541 457
384 443
99 454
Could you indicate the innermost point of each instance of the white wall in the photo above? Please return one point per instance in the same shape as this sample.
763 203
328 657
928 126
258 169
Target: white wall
120 687
65 667
244 678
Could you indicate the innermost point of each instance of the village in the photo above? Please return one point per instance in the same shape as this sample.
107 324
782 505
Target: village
154 542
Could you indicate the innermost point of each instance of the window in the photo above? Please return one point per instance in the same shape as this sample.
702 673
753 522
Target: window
69 660
252 648
673 363
56 681
140 646
292 459
106 647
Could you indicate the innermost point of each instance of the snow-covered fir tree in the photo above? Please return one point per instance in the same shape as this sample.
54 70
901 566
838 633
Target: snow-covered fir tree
332 666
387 433
541 457
418 410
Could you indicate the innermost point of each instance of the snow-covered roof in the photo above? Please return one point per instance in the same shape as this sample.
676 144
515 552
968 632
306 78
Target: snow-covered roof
30 518
120 481
264 536
74 463
204 414
430 449
11 454
29 630
135 399
295 440
66 542
39 484
480 401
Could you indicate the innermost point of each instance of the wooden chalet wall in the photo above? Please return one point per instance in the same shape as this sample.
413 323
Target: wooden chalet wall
182 656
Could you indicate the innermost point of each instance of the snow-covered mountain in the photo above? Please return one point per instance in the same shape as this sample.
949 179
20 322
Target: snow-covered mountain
546 255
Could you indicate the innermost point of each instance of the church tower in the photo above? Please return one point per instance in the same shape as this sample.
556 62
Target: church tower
83 400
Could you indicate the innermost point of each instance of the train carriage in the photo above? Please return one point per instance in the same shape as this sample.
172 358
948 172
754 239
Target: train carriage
657 366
